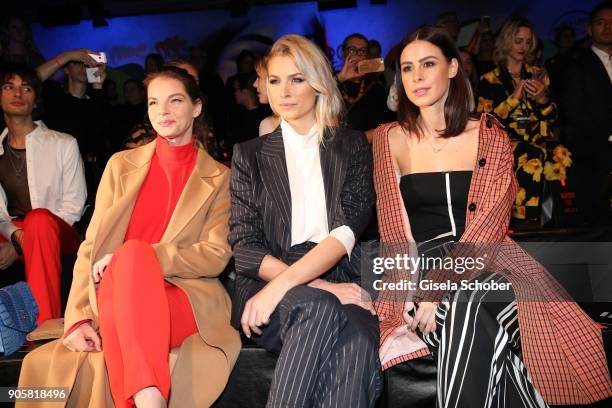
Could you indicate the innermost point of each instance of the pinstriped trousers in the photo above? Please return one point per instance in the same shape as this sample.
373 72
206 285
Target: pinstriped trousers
477 344
328 352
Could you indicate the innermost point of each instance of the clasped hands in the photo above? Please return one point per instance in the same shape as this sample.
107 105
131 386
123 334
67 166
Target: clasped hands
534 88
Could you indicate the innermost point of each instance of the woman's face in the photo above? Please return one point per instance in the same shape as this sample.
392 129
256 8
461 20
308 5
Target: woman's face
262 92
522 43
290 95
426 73
171 110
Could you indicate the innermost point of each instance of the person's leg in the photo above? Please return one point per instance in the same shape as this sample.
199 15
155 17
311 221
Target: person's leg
352 377
309 324
141 318
46 237
477 344
328 352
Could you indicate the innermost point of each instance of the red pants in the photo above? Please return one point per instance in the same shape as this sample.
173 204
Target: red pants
46 238
141 318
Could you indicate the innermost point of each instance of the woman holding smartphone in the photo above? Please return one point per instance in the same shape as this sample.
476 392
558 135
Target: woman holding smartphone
445 186
301 197
517 93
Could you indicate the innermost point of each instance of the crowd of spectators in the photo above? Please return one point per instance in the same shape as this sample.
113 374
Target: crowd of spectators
556 112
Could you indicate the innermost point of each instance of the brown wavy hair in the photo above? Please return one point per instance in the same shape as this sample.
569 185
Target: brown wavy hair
459 103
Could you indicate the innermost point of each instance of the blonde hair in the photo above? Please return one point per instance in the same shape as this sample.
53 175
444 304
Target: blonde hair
312 63
505 38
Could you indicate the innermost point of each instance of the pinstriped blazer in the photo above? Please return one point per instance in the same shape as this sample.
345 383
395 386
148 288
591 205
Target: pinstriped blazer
260 222
560 345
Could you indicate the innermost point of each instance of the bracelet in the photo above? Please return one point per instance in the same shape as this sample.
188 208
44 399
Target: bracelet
15 243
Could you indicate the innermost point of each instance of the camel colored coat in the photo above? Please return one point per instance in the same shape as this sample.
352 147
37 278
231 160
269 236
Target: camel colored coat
192 252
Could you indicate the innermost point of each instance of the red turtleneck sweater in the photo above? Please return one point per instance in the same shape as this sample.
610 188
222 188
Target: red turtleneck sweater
170 168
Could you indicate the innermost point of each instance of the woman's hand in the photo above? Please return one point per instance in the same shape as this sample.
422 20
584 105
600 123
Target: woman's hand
83 338
425 318
99 267
519 89
536 90
347 293
260 307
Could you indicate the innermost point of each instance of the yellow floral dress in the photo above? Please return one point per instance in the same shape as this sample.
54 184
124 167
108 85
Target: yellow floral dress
537 156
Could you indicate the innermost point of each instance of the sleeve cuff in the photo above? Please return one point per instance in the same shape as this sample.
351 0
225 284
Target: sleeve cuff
345 235
76 326
247 260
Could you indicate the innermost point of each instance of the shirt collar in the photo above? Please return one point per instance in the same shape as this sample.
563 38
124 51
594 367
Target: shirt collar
40 126
293 138
601 53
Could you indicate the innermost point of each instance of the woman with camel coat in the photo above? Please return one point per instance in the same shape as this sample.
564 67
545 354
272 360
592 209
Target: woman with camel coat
146 274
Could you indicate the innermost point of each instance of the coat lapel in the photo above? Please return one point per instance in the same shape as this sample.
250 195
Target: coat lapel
334 161
113 226
197 190
273 169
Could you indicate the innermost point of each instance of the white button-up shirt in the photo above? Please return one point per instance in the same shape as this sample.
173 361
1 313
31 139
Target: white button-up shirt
606 59
308 210
56 176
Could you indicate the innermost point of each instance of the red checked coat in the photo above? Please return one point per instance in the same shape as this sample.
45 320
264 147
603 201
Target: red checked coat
561 346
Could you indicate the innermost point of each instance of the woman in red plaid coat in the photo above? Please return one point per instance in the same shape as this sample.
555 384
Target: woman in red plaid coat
445 186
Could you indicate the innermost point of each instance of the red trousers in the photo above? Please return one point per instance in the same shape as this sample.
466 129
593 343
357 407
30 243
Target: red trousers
46 238
141 318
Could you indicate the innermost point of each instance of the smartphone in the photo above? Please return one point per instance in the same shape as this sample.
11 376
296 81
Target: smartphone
538 75
99 58
371 65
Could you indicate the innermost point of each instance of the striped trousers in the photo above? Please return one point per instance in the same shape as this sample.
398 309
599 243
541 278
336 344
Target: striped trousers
477 345
328 352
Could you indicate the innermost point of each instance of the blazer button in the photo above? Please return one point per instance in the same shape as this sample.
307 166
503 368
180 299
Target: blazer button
482 162
472 207
489 123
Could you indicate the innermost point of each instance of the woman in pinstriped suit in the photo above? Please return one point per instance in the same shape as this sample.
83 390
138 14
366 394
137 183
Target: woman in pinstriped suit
528 346
301 197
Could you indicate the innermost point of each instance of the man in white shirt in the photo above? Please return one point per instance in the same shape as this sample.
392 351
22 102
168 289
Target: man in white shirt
42 191
586 102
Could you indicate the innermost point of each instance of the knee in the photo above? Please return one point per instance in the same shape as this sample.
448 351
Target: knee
312 302
39 218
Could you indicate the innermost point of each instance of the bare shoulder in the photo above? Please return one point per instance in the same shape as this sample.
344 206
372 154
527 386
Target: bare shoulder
396 138
472 130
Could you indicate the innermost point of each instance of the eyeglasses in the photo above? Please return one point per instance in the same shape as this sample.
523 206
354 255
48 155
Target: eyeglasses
357 51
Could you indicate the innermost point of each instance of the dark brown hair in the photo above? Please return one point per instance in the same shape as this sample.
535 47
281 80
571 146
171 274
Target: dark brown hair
459 102
193 91
28 75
